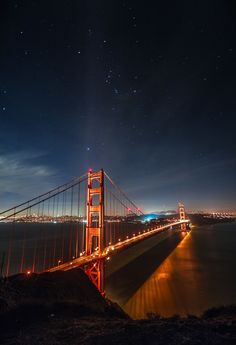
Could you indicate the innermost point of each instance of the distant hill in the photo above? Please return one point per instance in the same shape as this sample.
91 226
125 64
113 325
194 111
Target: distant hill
165 213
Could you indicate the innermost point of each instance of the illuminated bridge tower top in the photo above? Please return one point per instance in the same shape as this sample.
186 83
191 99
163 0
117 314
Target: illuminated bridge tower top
182 215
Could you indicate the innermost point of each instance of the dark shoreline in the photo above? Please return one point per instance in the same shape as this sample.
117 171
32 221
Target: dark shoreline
64 308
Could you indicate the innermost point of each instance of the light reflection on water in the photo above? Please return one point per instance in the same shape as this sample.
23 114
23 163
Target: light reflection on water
199 274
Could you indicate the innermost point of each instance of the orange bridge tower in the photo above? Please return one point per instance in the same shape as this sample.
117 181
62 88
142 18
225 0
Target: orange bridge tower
182 215
95 239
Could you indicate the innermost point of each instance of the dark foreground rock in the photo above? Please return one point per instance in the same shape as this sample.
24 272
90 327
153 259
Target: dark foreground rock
47 288
64 308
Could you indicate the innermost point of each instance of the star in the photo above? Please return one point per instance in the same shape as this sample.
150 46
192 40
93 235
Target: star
104 72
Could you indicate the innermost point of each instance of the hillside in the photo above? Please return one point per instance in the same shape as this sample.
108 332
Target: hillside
64 308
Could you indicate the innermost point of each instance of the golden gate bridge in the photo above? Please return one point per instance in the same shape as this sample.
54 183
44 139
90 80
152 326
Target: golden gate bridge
78 224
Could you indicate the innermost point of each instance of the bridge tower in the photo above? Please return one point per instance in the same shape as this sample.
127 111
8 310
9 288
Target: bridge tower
182 215
95 227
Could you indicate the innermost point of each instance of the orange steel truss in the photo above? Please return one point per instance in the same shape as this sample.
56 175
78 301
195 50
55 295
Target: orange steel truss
95 227
95 271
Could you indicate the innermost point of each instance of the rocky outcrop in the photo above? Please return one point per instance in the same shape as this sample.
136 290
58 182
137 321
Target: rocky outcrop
64 308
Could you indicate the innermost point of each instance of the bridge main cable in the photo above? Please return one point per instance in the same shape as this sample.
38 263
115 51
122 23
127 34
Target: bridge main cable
50 194
123 193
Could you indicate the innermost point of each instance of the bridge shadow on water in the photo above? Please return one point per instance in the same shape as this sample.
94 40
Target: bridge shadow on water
127 271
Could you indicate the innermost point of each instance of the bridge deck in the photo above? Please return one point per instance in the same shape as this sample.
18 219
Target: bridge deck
86 259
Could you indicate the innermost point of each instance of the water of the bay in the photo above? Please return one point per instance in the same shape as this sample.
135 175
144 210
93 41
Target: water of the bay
199 274
26 246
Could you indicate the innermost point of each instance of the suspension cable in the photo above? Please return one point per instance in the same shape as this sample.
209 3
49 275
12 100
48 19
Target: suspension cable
121 191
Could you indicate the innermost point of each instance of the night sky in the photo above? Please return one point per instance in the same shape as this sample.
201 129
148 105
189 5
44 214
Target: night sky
144 89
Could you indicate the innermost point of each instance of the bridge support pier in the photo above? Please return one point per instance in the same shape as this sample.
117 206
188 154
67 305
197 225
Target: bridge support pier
95 271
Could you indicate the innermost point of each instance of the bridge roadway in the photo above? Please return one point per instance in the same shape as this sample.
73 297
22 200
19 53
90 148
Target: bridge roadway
112 249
